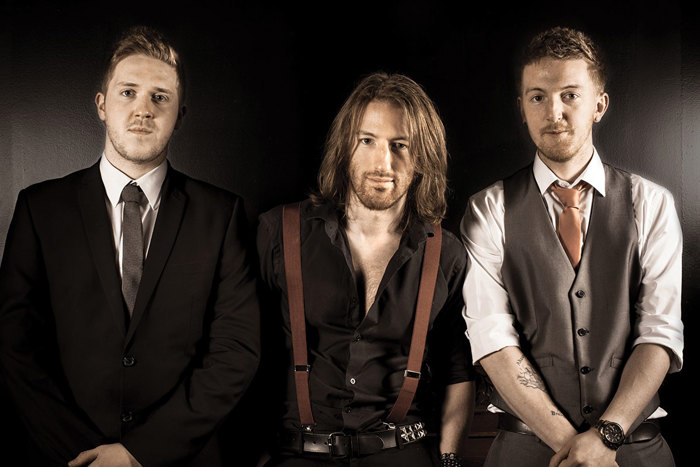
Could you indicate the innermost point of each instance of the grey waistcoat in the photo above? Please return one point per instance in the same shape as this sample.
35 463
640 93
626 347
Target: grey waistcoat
576 327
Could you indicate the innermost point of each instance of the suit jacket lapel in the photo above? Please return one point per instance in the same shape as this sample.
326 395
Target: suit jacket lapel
171 210
91 198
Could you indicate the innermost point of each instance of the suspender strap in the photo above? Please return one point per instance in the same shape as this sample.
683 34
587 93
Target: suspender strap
291 240
426 290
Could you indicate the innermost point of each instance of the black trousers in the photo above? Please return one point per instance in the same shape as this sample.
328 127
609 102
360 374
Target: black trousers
420 454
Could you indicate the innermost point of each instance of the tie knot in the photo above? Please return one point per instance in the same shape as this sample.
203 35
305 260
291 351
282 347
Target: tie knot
132 194
569 197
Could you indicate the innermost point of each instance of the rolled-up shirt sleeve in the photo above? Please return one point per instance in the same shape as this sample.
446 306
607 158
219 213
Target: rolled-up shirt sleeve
658 306
487 312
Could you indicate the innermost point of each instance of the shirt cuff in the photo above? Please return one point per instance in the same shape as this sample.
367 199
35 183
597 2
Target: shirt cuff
490 334
665 331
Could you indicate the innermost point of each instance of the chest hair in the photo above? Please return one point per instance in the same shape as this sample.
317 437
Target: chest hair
370 258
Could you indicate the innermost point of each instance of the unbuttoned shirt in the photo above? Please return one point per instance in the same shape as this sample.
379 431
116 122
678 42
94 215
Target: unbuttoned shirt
357 360
114 182
490 322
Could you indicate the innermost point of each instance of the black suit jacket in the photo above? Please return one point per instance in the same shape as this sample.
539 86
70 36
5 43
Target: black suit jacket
81 373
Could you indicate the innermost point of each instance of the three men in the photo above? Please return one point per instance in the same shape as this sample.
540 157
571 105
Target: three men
128 311
361 243
573 290
138 337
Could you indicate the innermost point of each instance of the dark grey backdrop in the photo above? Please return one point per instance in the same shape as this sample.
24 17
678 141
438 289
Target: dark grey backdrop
264 83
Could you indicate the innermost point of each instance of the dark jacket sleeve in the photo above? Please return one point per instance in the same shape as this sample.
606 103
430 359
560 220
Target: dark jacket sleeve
269 239
28 349
177 429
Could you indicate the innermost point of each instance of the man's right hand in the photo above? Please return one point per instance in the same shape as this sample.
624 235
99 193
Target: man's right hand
585 449
106 455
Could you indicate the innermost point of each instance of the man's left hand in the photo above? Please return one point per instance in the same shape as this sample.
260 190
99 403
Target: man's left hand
106 455
585 449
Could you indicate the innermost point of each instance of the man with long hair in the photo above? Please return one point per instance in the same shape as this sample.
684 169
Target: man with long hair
128 310
573 291
362 242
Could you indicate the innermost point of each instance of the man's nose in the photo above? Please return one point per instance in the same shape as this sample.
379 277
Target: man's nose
555 110
383 157
143 107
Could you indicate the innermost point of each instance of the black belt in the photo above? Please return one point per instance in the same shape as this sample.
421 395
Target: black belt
339 444
644 432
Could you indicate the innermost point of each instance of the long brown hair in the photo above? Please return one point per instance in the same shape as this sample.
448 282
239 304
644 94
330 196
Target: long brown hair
426 196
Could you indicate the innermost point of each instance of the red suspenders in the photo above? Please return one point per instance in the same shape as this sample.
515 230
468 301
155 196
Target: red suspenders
292 259
291 239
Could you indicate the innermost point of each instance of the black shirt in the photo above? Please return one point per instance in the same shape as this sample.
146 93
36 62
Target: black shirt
357 360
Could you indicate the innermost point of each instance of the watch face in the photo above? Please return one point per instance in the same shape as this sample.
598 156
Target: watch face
613 432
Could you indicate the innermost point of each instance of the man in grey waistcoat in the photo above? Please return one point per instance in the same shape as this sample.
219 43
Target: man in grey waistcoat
572 297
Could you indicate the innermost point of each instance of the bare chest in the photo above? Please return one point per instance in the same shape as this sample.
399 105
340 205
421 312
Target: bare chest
370 259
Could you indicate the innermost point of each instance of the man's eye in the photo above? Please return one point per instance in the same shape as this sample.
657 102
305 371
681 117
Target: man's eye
570 96
127 93
536 98
400 146
365 140
160 97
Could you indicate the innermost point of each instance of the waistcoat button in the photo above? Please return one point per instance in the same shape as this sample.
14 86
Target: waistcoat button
580 293
586 369
127 417
352 380
128 361
587 409
582 332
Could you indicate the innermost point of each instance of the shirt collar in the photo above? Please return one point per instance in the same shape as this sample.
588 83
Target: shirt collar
415 233
594 175
115 180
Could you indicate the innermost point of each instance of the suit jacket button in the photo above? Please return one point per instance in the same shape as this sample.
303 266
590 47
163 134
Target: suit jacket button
128 361
127 417
587 409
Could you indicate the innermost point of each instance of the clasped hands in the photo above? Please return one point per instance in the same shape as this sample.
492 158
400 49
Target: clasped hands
584 449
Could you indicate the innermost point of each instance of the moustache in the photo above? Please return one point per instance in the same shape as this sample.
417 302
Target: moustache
140 126
381 176
554 129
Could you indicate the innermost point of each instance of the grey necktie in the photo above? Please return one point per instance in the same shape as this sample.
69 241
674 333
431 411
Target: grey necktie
132 233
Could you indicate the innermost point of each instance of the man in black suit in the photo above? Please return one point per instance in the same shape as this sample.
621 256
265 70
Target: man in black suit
129 318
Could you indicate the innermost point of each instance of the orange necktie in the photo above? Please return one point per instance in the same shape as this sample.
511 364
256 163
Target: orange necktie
570 220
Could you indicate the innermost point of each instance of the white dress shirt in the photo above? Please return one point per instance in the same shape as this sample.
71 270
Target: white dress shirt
114 182
490 321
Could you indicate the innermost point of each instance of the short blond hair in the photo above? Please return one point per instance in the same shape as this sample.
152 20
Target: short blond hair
143 40
564 43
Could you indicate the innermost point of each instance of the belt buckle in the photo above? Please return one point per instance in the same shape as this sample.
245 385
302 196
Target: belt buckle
329 442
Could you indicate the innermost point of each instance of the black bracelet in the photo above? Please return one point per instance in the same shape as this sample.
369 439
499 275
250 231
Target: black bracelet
450 459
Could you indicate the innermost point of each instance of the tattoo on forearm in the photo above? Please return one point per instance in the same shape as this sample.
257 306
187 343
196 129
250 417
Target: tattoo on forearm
557 414
528 376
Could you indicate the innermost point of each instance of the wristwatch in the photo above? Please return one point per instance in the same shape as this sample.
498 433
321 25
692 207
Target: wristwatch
611 433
